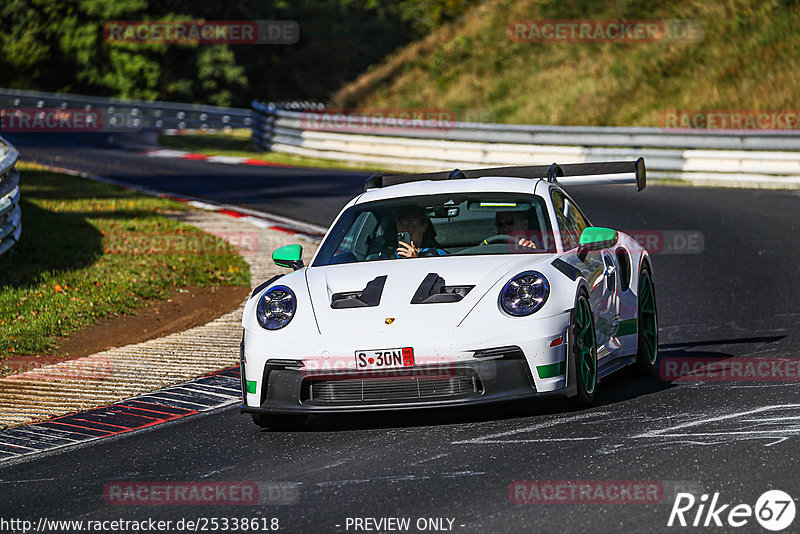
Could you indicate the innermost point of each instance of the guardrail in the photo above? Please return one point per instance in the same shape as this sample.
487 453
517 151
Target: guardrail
264 115
130 115
745 158
10 212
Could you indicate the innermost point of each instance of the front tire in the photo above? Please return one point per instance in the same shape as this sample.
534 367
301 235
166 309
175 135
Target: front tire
279 422
584 352
647 325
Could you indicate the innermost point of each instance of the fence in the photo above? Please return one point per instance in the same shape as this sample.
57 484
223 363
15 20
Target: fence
10 213
746 158
115 115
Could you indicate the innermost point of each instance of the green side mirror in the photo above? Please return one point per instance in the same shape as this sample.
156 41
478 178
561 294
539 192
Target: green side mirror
597 238
290 256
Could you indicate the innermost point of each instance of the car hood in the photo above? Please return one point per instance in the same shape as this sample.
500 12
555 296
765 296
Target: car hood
395 312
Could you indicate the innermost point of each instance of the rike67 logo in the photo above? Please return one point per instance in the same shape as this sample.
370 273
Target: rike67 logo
774 510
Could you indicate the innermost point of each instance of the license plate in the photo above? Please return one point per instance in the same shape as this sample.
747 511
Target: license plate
385 358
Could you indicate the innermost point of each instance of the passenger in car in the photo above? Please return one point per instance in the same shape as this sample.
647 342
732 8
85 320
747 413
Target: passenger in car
423 236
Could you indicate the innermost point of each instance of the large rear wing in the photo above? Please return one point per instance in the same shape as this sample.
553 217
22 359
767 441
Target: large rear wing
604 172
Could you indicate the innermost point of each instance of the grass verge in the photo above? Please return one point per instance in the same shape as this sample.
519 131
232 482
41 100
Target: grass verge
745 57
91 250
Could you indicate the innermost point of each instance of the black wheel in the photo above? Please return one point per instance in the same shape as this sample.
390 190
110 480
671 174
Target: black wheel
584 351
647 325
279 422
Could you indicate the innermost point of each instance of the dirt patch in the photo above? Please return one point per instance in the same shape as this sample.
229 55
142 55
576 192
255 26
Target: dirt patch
188 307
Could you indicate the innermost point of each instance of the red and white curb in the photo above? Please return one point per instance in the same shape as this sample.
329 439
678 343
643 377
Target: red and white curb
259 219
227 160
215 390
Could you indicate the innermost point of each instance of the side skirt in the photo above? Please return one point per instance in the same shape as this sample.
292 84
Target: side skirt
614 365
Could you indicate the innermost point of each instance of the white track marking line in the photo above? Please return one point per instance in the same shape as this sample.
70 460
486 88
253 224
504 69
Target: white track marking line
235 160
203 205
670 430
538 426
431 459
166 153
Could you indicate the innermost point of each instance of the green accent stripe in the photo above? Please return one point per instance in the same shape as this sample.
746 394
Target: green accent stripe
251 386
628 327
551 370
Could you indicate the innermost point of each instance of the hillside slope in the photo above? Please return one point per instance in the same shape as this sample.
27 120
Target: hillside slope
748 59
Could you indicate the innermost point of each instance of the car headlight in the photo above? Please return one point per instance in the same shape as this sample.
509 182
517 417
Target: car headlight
276 308
524 294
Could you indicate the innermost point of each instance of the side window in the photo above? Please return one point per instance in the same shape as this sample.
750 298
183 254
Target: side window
575 217
355 243
567 222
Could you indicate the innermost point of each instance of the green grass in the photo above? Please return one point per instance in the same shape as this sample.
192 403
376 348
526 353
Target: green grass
91 250
237 143
748 59
233 141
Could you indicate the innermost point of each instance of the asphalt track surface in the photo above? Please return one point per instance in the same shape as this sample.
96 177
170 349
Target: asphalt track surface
305 194
738 297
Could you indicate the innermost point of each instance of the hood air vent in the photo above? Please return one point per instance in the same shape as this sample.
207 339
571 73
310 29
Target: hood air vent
370 296
433 290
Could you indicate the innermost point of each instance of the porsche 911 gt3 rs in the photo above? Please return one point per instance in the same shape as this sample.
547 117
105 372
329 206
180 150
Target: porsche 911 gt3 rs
452 289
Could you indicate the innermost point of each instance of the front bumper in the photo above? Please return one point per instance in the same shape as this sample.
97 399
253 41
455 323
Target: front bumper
292 391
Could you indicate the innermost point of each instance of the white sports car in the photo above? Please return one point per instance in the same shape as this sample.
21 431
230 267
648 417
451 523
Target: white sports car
452 289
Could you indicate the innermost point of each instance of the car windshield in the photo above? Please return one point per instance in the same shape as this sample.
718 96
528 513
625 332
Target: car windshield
443 225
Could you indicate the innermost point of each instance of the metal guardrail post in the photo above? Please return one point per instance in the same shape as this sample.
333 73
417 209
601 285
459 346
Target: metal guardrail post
263 118
10 212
